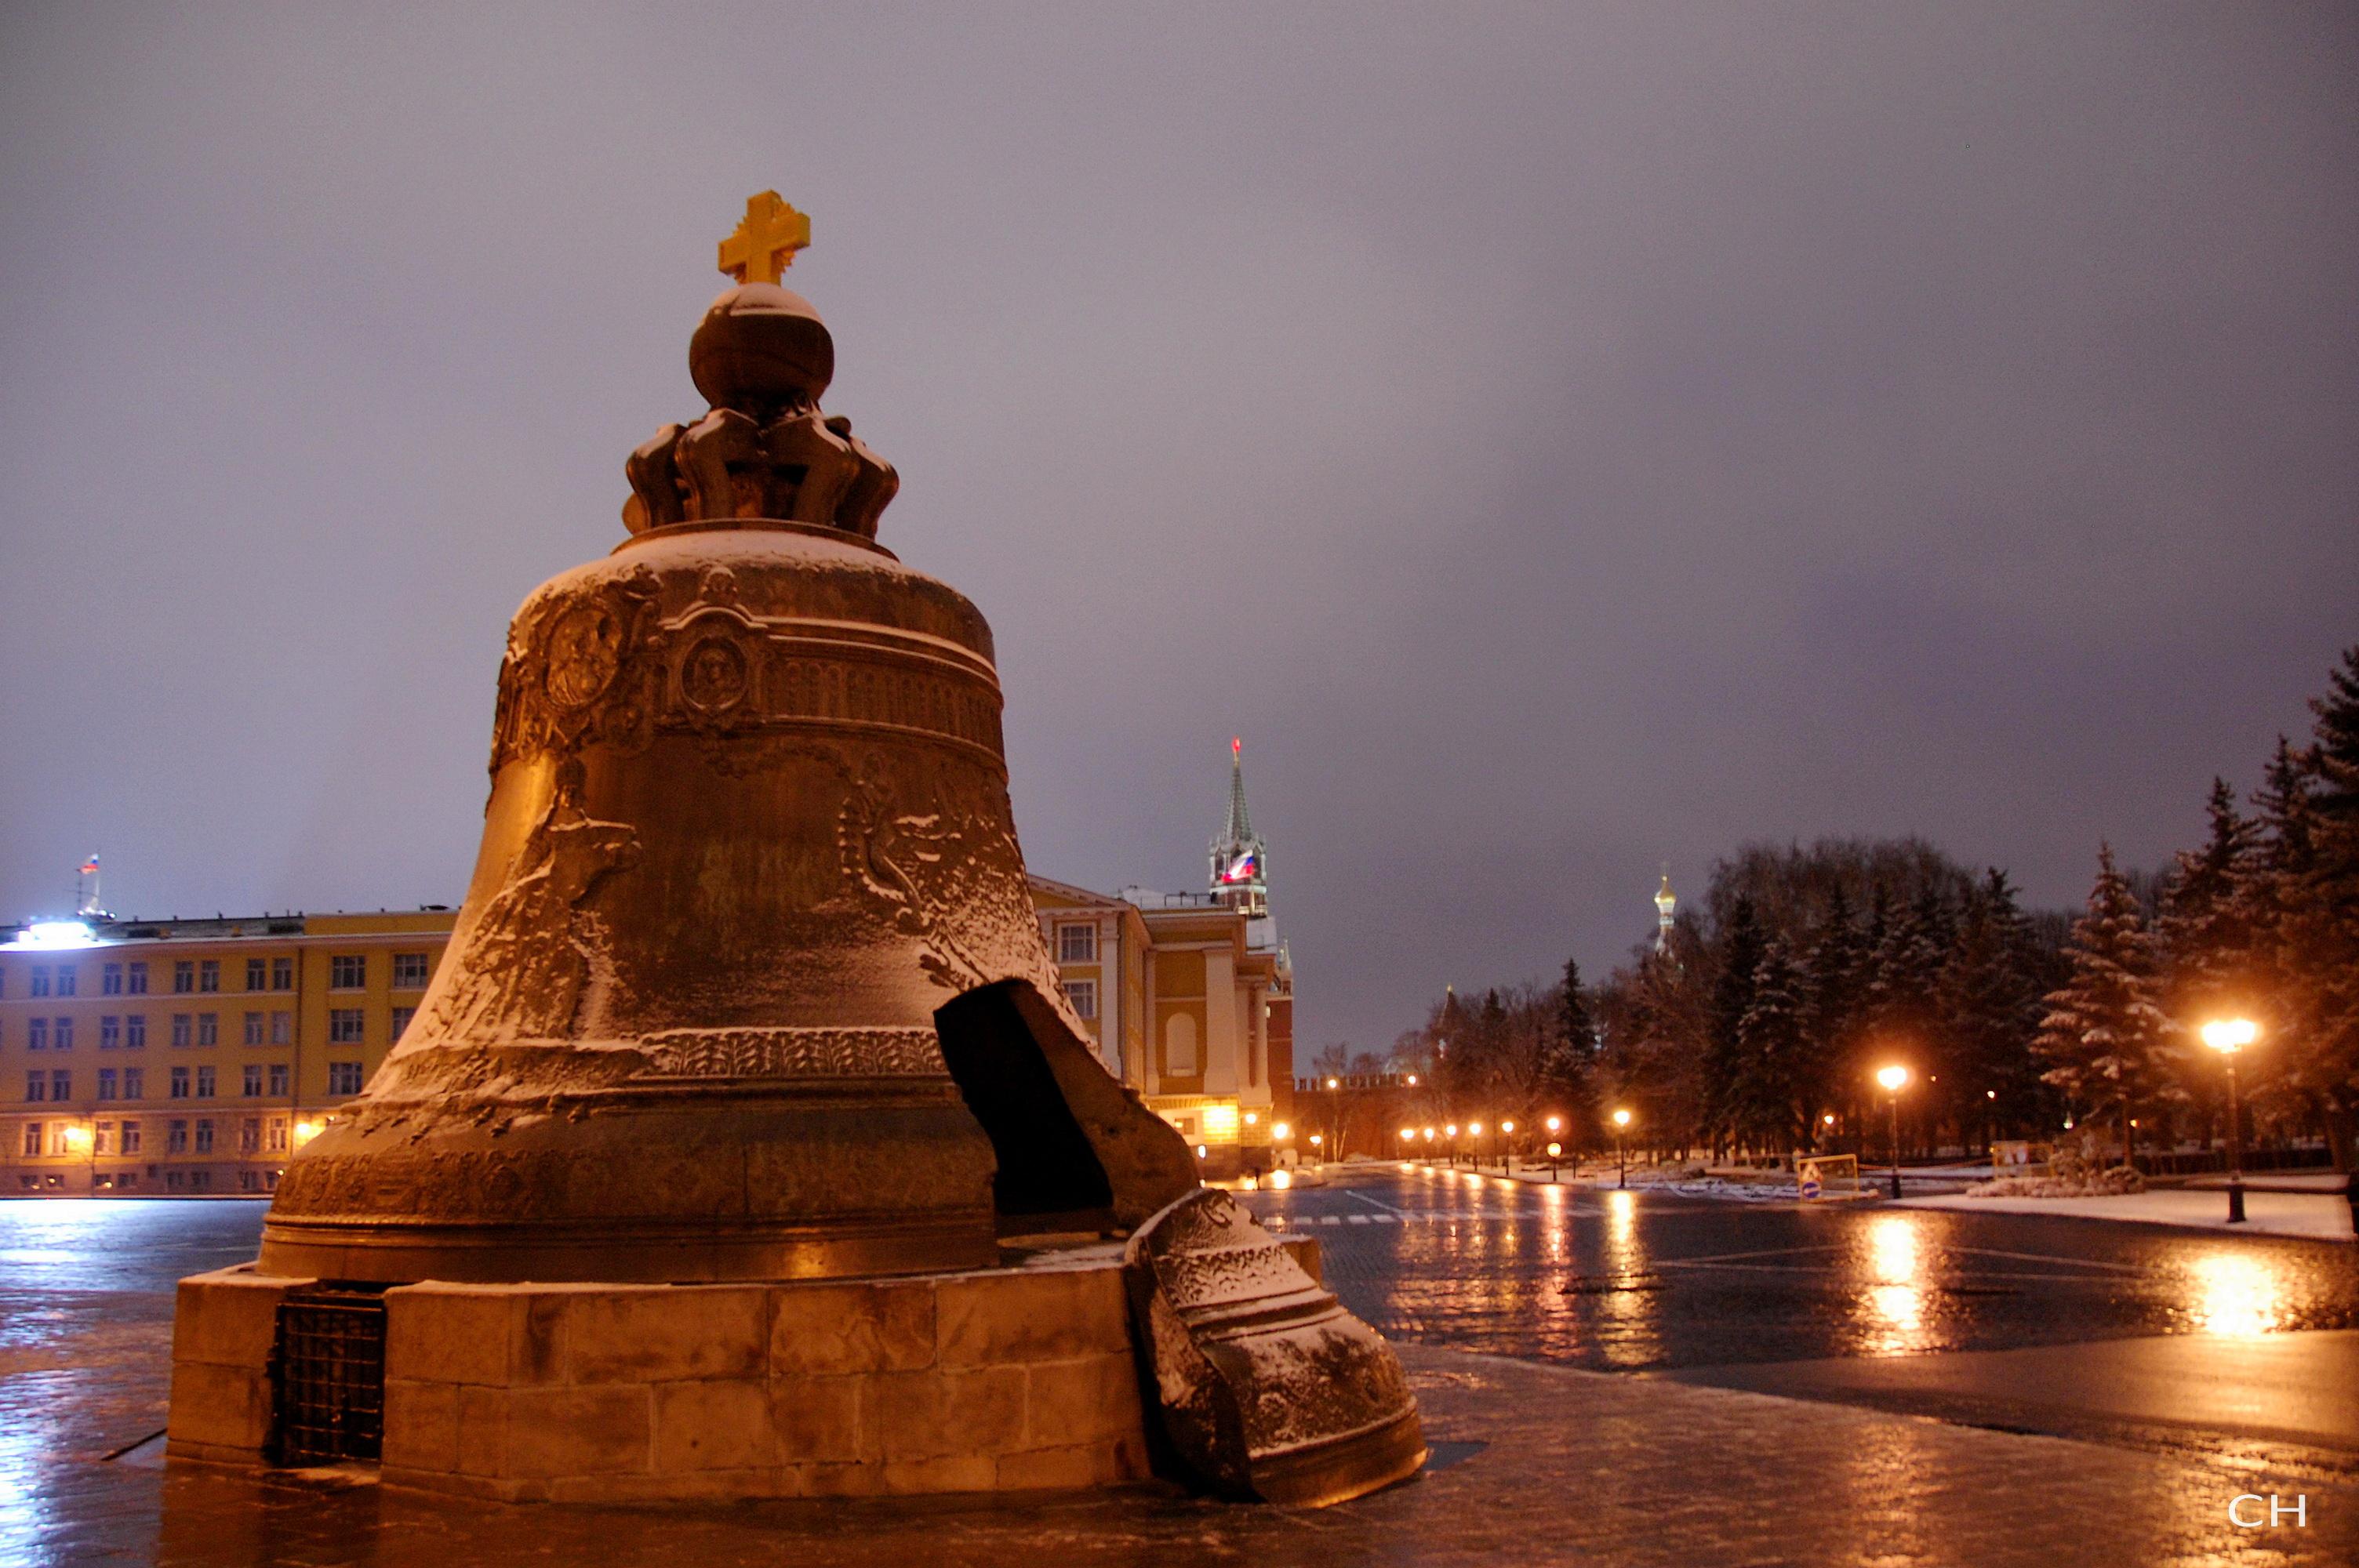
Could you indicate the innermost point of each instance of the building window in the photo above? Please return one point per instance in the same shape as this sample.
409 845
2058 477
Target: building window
277 1079
1077 943
110 1032
65 979
258 974
102 1140
249 1137
36 1087
278 1135
130 1143
135 1031
36 1035
61 1085
32 1138
184 977
61 1032
282 974
209 1029
204 1083
135 1083
251 1080
401 1017
109 979
253 1029
409 971
183 1028
343 1078
139 977
346 1025
1084 995
204 1135
106 1085
282 1029
348 972
176 1137
209 975
179 1090
40 980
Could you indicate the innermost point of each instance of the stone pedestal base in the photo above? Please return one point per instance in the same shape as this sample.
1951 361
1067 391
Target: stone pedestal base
1002 1379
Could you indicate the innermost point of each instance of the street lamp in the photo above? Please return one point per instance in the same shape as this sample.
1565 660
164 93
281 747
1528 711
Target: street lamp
2228 1036
1894 1078
1620 1158
1506 1146
80 1139
1555 1125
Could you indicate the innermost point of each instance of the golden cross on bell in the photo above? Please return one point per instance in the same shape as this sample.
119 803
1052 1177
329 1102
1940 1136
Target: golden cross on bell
766 240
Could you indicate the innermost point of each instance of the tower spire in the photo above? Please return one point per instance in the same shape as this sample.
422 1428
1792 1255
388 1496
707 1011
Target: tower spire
1240 871
1239 824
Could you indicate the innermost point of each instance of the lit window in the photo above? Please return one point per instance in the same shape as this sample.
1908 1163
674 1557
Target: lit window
32 1139
409 971
1077 943
278 1134
348 972
102 1142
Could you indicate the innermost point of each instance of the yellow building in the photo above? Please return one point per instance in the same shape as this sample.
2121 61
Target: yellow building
1184 1009
159 1058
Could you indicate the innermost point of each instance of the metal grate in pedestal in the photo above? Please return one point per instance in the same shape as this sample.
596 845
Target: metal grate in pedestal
328 1376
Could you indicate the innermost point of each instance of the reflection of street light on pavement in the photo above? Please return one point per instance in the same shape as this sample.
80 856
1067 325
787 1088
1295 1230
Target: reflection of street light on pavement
1894 1078
2228 1036
1621 1154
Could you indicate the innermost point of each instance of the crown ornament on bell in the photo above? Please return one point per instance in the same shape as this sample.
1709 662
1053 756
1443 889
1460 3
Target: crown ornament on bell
748 982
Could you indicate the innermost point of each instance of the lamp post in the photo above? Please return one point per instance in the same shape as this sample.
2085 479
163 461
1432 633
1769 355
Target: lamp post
1621 1156
1894 1078
1555 1126
2228 1036
1449 1130
1506 1148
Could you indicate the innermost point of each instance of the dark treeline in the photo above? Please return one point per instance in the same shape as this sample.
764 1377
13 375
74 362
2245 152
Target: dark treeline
1758 1026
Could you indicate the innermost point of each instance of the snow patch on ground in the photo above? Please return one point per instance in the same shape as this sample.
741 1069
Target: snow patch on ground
2321 1215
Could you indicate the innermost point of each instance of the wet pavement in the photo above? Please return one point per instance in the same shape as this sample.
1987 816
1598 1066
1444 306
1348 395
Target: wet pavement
1640 1282
1535 1462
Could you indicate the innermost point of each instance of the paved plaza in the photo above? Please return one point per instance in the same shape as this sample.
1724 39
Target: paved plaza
1537 1457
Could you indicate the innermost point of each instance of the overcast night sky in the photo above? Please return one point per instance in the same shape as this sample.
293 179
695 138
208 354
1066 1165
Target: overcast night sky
1558 440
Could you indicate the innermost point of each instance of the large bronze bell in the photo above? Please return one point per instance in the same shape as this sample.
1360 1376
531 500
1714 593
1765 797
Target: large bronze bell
748 983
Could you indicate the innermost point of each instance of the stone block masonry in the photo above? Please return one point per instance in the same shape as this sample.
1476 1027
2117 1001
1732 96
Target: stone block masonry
1015 1379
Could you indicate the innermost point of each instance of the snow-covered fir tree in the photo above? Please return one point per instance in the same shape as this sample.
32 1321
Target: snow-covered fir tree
2104 1033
